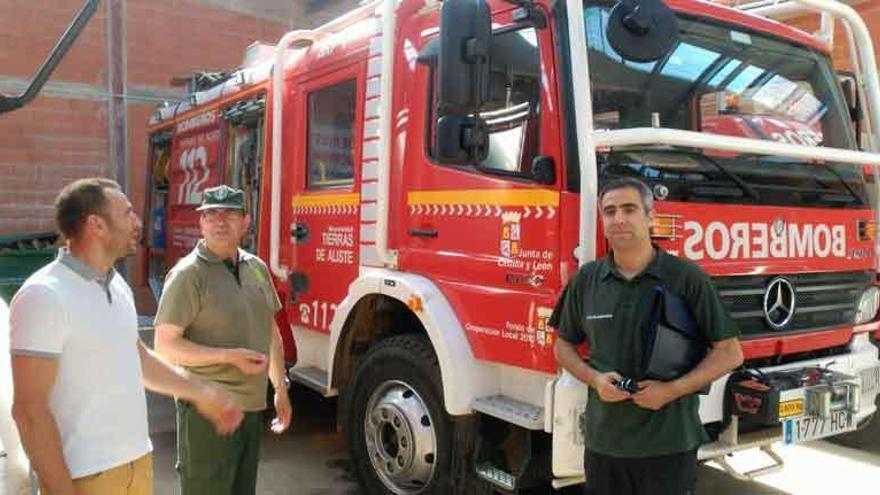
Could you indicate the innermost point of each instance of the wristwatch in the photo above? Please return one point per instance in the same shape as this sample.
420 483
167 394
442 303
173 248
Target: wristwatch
286 382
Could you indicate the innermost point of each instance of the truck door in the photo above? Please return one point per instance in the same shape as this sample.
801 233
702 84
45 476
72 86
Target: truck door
193 168
488 233
324 216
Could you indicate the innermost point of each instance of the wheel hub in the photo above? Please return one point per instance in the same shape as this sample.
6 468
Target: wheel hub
400 438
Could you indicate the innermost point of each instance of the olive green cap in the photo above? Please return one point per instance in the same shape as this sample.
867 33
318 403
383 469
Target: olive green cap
222 197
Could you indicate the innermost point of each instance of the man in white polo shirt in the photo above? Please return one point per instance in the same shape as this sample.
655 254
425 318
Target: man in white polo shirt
79 368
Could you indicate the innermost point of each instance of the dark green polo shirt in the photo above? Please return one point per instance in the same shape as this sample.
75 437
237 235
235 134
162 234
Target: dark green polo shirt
610 313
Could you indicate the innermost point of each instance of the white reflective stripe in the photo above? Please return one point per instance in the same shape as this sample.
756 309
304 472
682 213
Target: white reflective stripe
368 191
372 109
369 256
373 87
370 170
371 150
368 232
376 45
371 129
368 212
374 68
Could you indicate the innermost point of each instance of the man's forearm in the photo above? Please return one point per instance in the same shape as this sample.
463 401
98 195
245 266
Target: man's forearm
174 347
276 362
163 378
42 443
723 358
568 358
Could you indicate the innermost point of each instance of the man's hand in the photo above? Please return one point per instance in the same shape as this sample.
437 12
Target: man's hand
248 361
604 383
283 412
654 395
218 407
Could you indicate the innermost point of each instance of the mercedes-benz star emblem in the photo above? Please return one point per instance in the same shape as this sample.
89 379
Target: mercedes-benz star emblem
779 302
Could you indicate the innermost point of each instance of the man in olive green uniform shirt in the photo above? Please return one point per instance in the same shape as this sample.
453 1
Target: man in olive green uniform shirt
643 442
216 318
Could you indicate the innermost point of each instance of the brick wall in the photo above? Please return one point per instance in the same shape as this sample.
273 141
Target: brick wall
42 147
317 12
52 140
30 29
195 37
65 133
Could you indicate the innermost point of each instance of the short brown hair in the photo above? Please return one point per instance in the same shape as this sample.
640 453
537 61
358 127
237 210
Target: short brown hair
78 200
626 182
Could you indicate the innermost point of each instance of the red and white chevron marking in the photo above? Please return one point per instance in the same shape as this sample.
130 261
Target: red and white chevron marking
457 210
325 210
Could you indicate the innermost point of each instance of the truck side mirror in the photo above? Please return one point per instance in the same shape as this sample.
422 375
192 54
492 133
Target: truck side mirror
849 91
544 170
642 30
851 95
463 81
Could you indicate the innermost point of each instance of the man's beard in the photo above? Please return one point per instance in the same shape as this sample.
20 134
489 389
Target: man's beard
117 234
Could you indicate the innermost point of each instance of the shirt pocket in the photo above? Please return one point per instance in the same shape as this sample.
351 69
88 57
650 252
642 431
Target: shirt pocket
258 296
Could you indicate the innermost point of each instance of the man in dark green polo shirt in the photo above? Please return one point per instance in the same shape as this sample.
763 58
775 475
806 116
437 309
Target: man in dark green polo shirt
643 442
216 318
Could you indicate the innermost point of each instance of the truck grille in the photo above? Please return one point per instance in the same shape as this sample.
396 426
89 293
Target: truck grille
822 300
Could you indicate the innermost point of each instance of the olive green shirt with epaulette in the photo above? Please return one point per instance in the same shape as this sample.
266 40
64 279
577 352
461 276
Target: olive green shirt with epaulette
216 308
610 313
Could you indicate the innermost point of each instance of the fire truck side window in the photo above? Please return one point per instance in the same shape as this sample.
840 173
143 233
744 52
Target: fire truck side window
330 155
513 108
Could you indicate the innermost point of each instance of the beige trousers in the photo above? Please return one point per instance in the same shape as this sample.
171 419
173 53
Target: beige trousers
132 478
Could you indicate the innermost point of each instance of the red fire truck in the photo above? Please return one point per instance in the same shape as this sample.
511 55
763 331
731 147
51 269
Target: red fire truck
429 185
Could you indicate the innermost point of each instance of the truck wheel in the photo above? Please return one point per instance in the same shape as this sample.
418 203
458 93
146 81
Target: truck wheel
399 435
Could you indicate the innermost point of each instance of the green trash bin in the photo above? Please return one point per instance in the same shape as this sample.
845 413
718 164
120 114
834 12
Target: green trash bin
22 255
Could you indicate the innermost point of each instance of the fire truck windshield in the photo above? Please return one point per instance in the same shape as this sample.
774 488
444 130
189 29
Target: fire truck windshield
728 80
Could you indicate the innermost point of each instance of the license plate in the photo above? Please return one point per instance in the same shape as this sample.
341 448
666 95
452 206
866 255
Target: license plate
808 428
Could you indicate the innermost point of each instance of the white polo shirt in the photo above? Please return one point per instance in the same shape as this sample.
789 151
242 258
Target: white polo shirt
88 322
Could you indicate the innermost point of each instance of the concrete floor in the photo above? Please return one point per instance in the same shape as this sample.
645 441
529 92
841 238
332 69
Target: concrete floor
309 459
312 460
307 464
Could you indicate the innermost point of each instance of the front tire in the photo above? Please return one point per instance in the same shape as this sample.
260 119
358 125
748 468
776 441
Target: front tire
399 435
